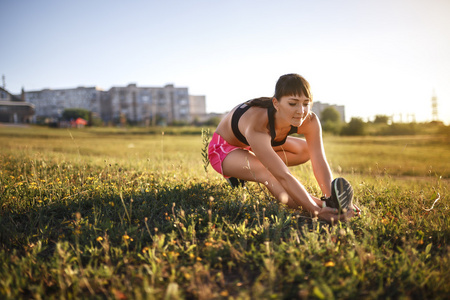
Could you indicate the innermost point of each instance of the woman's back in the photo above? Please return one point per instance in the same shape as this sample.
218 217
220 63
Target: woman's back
255 117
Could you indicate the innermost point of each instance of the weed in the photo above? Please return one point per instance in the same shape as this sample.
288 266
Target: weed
205 143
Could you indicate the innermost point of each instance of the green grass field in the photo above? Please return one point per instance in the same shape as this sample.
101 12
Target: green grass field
133 214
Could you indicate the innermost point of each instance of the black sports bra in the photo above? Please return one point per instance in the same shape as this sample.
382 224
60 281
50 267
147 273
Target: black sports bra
241 109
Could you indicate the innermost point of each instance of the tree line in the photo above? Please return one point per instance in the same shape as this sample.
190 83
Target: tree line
381 125
330 119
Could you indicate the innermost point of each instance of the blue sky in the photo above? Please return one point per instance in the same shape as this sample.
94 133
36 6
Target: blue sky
375 57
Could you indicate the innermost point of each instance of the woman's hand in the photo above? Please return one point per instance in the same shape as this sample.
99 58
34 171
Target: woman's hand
331 215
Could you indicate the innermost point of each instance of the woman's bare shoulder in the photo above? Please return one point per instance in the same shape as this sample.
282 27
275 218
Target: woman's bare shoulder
255 119
310 125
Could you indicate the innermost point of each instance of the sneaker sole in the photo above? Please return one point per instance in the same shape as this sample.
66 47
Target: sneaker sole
344 193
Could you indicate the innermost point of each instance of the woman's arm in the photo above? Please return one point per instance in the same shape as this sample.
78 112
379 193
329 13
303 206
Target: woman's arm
260 144
254 128
321 169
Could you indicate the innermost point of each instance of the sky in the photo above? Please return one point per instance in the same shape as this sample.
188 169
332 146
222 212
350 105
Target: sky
375 57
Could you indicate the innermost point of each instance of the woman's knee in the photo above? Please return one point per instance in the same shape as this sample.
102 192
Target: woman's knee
293 156
299 149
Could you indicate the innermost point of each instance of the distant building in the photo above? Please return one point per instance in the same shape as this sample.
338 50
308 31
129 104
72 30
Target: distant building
140 105
150 105
318 107
51 103
197 107
14 109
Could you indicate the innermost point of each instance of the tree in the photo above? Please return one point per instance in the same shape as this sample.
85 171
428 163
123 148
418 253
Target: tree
75 113
356 126
400 129
330 114
331 120
380 119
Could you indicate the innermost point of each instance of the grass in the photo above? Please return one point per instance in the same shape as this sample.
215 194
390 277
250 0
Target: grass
134 215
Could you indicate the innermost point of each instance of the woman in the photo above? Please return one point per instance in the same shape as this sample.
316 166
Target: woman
251 143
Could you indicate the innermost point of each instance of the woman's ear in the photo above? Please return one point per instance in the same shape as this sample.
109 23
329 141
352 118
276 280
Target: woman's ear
275 103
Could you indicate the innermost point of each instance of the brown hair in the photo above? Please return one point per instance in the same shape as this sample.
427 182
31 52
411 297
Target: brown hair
287 85
292 85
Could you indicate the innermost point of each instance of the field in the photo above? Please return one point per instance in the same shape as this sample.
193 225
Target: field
134 214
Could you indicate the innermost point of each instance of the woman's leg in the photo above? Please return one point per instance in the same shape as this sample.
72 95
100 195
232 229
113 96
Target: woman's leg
244 165
294 152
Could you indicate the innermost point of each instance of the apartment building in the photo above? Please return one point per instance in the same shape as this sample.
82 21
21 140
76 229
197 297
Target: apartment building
51 103
139 105
197 107
150 105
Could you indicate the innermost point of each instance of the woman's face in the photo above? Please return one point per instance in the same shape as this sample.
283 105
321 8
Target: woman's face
293 109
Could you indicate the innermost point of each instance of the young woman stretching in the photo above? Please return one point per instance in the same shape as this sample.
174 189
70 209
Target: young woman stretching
251 143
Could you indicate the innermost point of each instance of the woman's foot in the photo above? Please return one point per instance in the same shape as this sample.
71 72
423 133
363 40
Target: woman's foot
234 182
341 195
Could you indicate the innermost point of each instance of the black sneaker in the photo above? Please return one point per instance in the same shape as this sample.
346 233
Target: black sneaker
341 195
234 182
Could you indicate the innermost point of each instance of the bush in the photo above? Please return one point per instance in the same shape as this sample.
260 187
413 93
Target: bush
445 130
400 129
381 119
331 120
356 126
214 121
74 113
332 127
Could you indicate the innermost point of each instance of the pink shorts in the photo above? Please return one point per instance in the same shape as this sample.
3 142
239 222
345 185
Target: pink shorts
217 151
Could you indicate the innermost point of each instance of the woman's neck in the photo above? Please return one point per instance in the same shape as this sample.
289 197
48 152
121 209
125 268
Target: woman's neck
280 123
